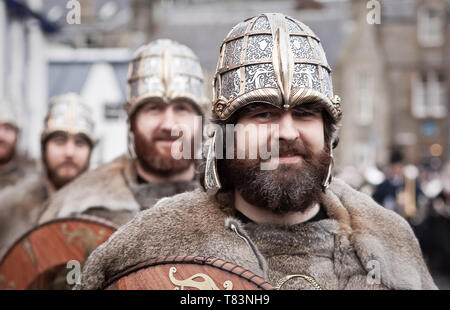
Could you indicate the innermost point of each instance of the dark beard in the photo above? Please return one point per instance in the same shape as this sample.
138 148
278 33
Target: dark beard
10 153
153 161
59 181
289 188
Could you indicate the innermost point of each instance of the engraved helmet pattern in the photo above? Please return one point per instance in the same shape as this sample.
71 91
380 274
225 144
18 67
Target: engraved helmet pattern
275 59
164 70
68 113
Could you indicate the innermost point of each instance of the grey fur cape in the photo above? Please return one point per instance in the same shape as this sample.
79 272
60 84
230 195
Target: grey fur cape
357 235
18 171
20 207
112 192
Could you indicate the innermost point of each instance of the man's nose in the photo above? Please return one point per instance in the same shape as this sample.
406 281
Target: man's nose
168 120
69 148
287 129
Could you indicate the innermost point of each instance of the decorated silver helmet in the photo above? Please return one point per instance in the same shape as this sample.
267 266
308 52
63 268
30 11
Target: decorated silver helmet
164 70
68 113
7 114
275 59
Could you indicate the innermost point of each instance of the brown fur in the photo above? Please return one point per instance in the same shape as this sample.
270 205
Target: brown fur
20 168
20 207
110 191
195 224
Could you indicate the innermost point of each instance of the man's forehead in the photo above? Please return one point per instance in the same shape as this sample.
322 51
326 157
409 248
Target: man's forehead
175 102
171 103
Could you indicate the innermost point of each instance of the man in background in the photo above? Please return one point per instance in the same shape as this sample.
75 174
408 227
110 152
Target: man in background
164 92
13 167
66 144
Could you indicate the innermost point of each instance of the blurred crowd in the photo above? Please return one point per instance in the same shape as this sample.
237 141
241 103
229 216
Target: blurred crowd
421 195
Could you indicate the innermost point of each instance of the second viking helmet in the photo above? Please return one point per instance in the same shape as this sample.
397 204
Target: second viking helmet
68 113
164 70
275 59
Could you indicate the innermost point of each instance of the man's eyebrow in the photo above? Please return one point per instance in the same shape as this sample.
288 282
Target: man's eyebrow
309 107
80 135
58 135
255 107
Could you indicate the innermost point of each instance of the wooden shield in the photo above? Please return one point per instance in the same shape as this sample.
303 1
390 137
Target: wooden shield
39 259
187 273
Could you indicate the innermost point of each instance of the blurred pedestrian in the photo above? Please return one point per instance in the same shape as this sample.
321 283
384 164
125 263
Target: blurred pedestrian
13 167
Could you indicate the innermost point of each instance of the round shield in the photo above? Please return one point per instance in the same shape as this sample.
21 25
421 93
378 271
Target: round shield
50 256
187 273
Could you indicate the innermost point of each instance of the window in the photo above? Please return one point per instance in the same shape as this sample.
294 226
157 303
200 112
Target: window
429 95
365 154
430 25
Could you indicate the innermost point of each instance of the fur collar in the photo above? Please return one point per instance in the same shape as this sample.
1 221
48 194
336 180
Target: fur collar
193 223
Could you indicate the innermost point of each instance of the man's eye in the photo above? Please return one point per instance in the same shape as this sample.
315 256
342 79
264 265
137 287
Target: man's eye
80 142
263 115
151 108
181 108
60 140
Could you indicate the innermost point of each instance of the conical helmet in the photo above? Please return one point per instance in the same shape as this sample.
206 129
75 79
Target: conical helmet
68 113
164 70
275 59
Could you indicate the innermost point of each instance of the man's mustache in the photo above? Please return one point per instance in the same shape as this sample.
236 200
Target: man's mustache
68 163
165 136
293 148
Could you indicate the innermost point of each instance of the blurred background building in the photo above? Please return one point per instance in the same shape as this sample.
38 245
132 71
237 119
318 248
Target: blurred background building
392 76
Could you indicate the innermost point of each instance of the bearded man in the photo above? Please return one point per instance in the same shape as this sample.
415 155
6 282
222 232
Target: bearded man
281 216
66 144
165 92
13 167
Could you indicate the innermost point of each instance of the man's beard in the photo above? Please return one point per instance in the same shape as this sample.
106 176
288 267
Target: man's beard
290 187
153 161
59 180
8 155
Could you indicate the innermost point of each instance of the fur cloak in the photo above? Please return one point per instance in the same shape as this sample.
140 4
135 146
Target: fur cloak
19 170
112 192
20 207
363 234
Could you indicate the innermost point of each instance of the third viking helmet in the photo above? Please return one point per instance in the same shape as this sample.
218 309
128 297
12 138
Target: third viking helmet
68 113
274 59
164 70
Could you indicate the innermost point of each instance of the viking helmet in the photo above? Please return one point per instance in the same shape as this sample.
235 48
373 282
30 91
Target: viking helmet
7 114
275 59
164 70
68 113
